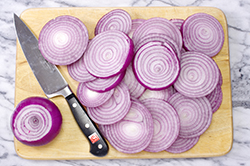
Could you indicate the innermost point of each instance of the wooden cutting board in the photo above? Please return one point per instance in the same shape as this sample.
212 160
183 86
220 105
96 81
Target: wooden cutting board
71 143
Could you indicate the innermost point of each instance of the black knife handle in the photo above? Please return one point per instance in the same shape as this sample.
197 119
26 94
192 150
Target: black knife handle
98 145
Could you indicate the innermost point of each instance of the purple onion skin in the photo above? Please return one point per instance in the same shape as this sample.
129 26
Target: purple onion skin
54 113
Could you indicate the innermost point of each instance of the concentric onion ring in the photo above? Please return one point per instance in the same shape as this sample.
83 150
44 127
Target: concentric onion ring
63 40
199 75
114 109
78 71
158 25
177 22
183 144
166 124
204 33
155 66
36 121
108 54
195 114
133 133
116 19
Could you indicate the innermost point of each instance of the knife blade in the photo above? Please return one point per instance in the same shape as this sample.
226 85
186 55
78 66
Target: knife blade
53 84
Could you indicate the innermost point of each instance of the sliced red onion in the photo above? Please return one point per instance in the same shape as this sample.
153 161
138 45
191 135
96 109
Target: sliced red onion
183 144
204 33
220 82
158 94
199 75
90 98
158 25
108 54
195 114
166 124
135 88
169 92
154 37
114 109
177 22
133 133
215 98
78 71
63 40
105 84
135 24
155 66
116 19
36 121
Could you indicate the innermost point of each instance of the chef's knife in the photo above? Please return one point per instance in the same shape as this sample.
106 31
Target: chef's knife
53 84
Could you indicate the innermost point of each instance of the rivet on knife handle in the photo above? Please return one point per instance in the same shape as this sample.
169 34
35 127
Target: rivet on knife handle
98 145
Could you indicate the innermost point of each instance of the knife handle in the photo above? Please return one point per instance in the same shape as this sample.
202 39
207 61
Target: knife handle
98 145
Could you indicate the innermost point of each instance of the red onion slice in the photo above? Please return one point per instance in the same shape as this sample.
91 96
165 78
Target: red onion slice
116 19
135 88
195 114
135 24
204 33
108 54
36 121
177 22
105 84
114 109
215 98
133 133
90 98
199 75
78 71
158 25
166 124
155 66
183 144
63 40
154 37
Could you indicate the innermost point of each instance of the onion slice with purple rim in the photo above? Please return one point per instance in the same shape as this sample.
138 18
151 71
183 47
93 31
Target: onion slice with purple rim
135 24
114 109
133 133
90 98
116 19
78 71
105 84
158 25
36 121
166 124
215 98
108 54
182 144
195 114
155 66
199 75
63 40
177 22
204 33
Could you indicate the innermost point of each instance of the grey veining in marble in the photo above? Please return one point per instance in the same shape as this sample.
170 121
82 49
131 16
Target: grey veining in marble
238 16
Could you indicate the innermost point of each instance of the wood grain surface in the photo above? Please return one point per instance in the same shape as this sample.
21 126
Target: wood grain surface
71 143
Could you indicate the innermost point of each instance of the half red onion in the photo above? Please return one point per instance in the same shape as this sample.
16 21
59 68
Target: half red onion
183 144
204 33
90 98
36 121
195 114
155 66
78 71
63 40
135 88
166 124
116 19
158 25
199 75
114 109
108 53
105 84
133 133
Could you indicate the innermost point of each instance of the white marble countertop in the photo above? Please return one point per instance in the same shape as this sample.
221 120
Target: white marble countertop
238 16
